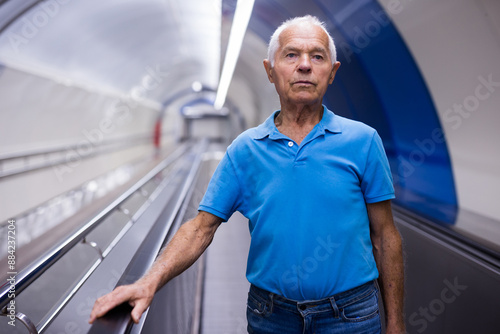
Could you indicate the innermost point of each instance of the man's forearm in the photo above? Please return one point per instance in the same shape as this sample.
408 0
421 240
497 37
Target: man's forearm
387 249
389 259
187 245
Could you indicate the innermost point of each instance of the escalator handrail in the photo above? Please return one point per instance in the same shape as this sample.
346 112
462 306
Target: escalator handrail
119 321
447 233
66 147
26 276
110 144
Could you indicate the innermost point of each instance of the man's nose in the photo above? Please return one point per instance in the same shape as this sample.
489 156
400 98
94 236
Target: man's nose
305 64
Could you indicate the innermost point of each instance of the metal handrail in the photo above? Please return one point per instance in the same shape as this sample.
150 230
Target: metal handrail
30 326
63 148
38 267
119 143
13 11
447 232
119 319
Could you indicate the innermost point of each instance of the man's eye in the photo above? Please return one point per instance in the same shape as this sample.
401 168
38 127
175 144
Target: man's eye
318 57
291 55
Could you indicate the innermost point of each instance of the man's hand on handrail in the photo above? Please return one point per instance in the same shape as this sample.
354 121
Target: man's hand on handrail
139 295
183 250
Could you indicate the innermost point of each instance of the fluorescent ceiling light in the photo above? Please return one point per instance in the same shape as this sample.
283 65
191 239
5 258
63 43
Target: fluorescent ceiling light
240 23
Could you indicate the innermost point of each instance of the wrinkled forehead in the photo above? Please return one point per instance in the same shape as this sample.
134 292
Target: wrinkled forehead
304 35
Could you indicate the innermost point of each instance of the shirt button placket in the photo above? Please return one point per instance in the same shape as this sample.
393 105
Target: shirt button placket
293 149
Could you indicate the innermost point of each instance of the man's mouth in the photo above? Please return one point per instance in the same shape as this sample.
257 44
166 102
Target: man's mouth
303 82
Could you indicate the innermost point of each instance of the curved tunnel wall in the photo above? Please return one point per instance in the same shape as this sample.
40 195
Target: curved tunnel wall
456 46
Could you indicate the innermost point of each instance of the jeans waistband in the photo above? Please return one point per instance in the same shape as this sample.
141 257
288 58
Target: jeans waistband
345 296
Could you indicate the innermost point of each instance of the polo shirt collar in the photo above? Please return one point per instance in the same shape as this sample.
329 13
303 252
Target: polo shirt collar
329 122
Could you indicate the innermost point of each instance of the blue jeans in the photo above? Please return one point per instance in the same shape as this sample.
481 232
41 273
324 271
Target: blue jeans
353 311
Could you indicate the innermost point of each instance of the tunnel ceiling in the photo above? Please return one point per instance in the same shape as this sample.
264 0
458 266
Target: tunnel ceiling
116 45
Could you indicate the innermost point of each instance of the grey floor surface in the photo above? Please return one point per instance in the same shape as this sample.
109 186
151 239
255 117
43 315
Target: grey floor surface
226 287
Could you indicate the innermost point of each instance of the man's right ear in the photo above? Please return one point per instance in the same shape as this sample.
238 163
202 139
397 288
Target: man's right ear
269 70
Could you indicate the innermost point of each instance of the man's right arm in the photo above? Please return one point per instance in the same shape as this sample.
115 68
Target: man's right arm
182 251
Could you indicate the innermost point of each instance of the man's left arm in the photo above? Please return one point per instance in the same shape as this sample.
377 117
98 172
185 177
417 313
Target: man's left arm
387 249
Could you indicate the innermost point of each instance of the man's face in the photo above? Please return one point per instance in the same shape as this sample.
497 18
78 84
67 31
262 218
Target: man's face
302 66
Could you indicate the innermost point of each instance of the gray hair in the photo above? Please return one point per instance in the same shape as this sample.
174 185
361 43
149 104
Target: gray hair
313 20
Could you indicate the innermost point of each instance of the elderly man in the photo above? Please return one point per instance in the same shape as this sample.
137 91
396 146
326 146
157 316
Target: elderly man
316 189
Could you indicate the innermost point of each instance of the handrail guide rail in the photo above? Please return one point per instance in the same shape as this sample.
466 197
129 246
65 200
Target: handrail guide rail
38 267
119 319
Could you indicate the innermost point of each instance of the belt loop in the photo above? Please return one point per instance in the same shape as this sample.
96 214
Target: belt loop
336 312
271 301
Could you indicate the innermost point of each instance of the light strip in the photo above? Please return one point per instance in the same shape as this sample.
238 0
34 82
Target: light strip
240 23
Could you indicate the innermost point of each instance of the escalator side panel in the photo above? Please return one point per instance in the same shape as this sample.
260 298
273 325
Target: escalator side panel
447 289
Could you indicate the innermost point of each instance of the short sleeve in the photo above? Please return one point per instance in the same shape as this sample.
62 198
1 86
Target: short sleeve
376 183
223 194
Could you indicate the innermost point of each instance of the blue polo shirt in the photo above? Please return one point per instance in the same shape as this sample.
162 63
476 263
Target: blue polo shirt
306 204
